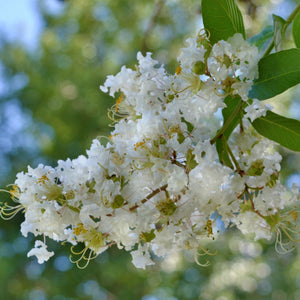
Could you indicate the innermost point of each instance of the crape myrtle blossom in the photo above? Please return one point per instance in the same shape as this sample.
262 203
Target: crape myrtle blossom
159 185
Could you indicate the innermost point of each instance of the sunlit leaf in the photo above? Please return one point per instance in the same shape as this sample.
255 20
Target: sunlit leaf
296 30
191 162
279 31
282 130
231 115
277 72
222 18
223 153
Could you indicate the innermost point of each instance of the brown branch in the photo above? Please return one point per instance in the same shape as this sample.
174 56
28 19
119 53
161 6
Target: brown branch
252 203
155 192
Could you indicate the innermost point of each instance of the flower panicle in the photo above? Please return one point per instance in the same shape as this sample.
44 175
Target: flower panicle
169 170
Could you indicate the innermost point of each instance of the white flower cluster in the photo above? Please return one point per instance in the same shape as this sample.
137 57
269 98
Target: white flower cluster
159 183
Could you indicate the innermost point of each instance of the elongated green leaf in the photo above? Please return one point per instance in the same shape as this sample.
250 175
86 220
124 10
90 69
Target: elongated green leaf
231 115
222 18
260 39
296 30
277 72
282 130
223 153
279 31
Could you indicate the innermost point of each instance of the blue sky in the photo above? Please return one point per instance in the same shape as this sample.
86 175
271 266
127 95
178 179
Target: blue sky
20 21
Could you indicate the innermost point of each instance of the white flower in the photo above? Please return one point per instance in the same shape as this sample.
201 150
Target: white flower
177 179
88 212
141 258
251 223
40 251
191 54
256 110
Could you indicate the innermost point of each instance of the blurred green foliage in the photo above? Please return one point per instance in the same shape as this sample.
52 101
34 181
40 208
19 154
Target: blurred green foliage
52 109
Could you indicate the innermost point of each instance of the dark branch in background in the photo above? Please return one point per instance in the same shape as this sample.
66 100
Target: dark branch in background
159 6
251 8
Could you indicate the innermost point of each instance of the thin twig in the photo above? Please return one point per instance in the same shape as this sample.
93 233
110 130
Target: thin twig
252 203
155 192
236 164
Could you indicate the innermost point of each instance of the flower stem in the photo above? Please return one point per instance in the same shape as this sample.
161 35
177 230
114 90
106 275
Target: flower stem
292 15
236 164
154 193
252 203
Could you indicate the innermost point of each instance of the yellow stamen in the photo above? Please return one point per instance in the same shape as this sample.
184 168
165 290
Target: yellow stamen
178 70
79 230
43 179
14 192
209 228
140 144
294 215
119 100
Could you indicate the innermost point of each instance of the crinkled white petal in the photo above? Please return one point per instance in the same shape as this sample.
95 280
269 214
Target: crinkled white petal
40 251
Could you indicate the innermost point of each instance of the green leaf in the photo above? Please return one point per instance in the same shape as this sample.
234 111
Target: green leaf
190 126
223 153
231 116
191 163
282 130
180 138
279 31
260 39
296 30
147 236
277 72
231 113
222 18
